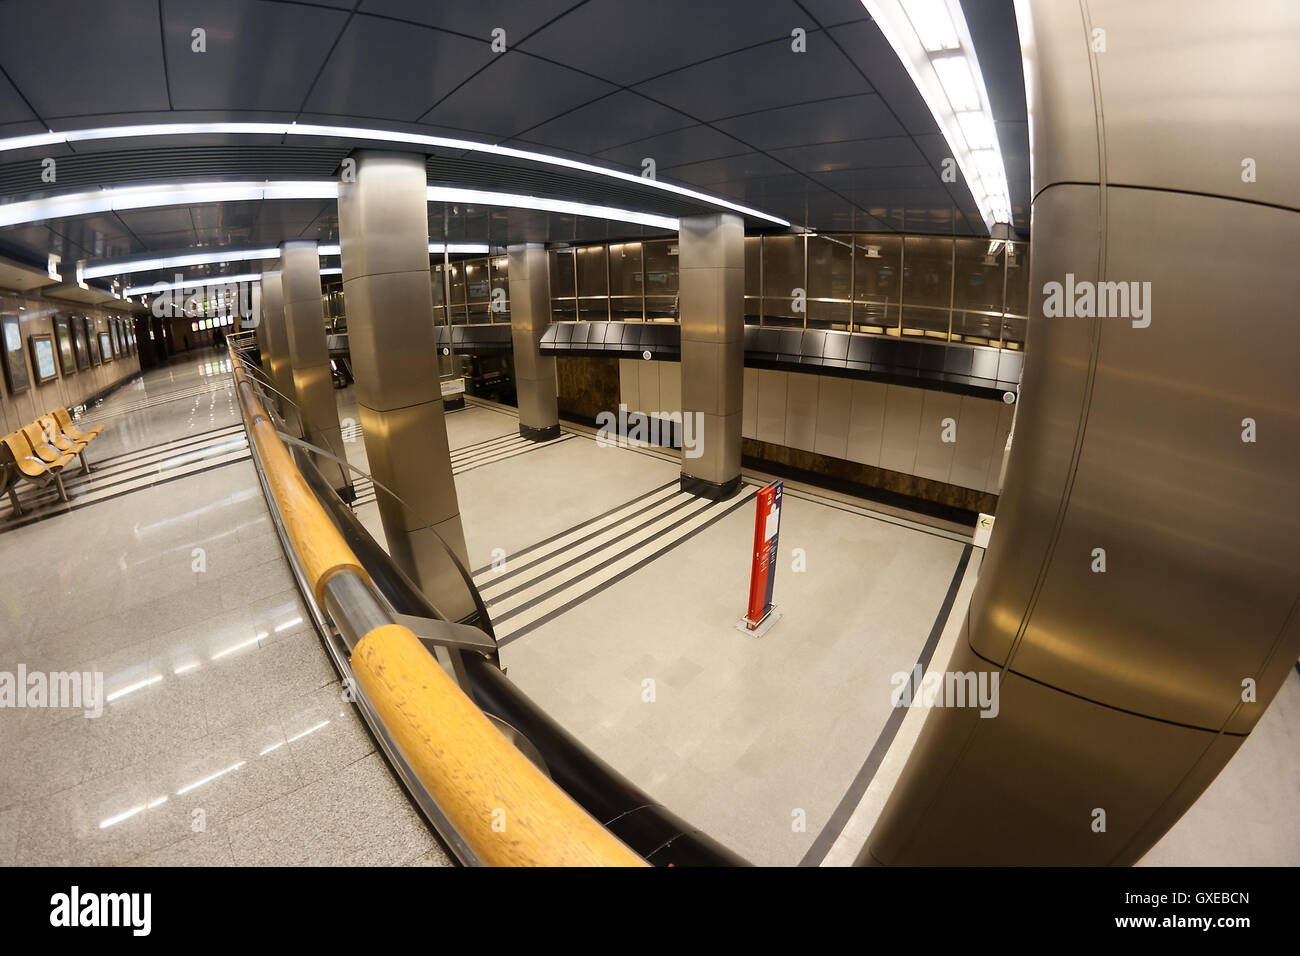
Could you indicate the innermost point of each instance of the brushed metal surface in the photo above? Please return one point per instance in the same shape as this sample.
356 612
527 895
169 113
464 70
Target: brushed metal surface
711 270
383 229
530 314
1232 67
1122 688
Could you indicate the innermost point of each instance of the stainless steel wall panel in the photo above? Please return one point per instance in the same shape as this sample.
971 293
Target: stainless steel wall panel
749 413
834 402
801 412
1122 684
1245 79
1054 391
395 365
976 436
1006 419
771 405
902 428
670 385
629 382
867 422
648 391
1201 531
934 455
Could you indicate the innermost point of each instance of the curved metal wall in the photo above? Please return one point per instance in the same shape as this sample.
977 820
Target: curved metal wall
1121 691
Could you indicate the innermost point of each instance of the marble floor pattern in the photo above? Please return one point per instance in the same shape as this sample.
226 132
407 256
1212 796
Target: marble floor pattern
224 738
608 582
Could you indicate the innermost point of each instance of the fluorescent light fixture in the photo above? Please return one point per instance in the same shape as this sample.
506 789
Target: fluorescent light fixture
484 198
210 257
933 24
151 197
177 262
957 82
977 128
931 39
173 131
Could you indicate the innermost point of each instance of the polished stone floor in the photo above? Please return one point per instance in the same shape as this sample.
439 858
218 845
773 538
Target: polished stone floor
224 739
784 747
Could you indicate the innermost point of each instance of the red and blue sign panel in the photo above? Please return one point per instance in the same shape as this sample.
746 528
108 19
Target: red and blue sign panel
762 576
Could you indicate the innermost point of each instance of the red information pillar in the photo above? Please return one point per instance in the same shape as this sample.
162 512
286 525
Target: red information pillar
762 576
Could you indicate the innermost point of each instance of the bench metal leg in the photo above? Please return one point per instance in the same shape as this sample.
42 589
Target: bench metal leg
63 492
13 499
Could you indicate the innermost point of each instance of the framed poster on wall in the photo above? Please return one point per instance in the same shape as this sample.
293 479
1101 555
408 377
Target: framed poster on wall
80 344
44 364
15 362
93 342
112 335
63 333
106 346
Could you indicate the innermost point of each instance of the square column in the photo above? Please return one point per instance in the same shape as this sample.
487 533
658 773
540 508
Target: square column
530 315
711 295
384 235
309 360
276 337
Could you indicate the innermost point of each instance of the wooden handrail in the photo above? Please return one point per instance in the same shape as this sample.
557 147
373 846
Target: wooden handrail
506 811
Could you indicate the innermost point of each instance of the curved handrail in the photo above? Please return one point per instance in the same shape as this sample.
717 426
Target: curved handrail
503 808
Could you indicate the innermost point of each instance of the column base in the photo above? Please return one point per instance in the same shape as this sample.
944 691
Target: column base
715 491
539 434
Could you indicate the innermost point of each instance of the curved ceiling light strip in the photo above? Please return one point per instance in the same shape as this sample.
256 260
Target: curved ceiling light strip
173 130
188 194
934 44
215 256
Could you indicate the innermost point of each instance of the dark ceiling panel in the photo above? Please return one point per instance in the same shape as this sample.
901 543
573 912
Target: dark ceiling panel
610 121
389 70
863 43
830 12
12 107
828 121
248 64
663 35
723 170
763 77
478 19
71 58
489 103
688 145
858 154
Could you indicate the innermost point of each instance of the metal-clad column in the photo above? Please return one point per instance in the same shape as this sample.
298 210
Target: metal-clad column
711 270
529 276
1139 599
309 359
276 337
384 234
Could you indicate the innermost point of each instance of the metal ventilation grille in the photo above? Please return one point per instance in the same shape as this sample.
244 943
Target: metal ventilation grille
139 167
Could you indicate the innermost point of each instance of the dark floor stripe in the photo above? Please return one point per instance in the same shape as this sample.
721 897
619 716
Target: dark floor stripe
116 466
577 541
197 438
853 796
97 481
588 595
525 451
498 438
74 506
487 454
578 527
558 569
